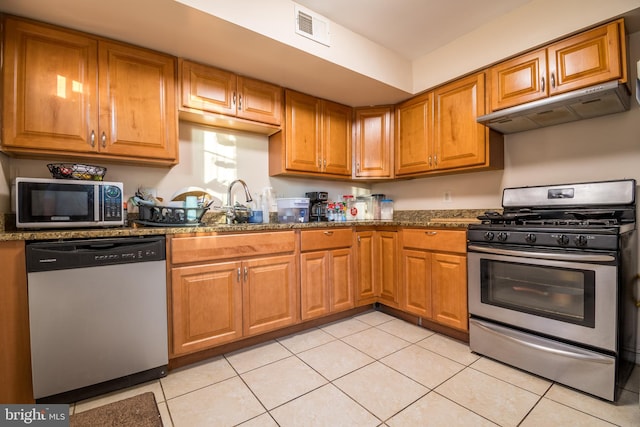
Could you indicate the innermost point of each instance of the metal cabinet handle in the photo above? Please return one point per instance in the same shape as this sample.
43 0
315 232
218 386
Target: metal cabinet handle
240 102
358 239
233 100
92 138
435 160
430 233
329 233
553 80
430 164
239 275
542 82
358 166
103 138
246 273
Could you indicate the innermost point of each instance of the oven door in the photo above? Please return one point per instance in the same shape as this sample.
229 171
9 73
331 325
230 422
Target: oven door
567 295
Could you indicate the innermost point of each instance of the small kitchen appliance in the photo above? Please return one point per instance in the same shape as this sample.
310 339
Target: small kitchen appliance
319 202
61 203
551 283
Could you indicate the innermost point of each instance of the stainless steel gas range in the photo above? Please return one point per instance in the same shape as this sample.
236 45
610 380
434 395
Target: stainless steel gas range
551 281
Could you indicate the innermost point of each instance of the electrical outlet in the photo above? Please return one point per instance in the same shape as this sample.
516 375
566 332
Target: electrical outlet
446 197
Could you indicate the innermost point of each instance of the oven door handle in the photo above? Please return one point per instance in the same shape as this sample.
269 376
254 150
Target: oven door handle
548 349
544 255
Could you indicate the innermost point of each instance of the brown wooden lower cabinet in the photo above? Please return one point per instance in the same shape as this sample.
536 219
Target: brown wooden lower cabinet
434 276
15 350
228 287
237 288
326 266
377 267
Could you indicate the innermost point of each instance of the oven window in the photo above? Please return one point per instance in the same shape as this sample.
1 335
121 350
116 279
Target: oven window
557 293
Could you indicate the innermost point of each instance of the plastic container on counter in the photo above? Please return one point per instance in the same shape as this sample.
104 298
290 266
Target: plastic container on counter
294 209
386 210
376 200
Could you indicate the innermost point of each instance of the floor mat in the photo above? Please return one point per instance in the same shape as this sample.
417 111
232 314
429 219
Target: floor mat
137 411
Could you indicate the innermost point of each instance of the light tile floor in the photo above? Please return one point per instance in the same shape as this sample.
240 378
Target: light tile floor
370 370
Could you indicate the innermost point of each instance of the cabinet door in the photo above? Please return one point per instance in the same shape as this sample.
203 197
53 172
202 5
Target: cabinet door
414 135
449 278
270 296
336 136
341 280
259 101
314 285
50 89
302 130
416 277
589 58
15 357
387 267
206 306
138 116
519 80
366 261
207 88
373 142
459 140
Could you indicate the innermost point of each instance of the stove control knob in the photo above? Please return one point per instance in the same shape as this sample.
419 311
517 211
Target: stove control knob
581 240
563 240
488 235
530 238
502 236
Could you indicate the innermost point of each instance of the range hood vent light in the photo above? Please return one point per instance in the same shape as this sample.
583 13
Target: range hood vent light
608 98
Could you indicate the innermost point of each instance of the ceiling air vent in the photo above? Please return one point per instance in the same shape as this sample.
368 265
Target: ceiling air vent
312 25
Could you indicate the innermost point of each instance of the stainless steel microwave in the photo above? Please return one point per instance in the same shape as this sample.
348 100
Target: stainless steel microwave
58 203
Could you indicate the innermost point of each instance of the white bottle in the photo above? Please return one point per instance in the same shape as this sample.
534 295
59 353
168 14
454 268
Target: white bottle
267 201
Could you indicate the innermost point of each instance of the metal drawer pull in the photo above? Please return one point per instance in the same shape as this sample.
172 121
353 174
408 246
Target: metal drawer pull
328 233
104 140
239 273
246 273
93 138
430 233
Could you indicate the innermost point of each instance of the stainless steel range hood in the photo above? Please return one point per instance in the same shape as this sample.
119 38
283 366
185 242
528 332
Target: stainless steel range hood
608 98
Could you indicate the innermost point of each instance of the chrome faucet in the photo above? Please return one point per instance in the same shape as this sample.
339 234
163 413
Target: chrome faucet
231 208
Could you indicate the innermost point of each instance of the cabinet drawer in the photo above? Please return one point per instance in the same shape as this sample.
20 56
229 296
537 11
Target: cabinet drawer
435 240
314 240
207 248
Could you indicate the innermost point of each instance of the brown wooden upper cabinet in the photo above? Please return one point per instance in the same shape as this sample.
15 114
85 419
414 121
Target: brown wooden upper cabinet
589 58
437 132
211 90
315 139
70 94
373 146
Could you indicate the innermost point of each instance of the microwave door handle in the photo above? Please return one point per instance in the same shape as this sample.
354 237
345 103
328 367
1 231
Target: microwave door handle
544 255
548 349
97 191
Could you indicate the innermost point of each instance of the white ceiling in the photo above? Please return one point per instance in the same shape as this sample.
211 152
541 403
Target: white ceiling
412 28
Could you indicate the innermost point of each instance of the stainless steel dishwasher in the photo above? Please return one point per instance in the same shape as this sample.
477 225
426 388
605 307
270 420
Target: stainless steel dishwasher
97 315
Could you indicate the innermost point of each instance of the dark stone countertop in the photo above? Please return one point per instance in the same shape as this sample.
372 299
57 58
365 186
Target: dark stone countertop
455 219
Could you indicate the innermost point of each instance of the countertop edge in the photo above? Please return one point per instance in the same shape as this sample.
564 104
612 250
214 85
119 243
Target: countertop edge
44 234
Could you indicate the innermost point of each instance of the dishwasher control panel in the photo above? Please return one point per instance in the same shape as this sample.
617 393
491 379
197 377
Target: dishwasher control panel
65 254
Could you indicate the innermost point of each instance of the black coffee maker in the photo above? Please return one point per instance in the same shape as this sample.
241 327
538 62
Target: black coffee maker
318 201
